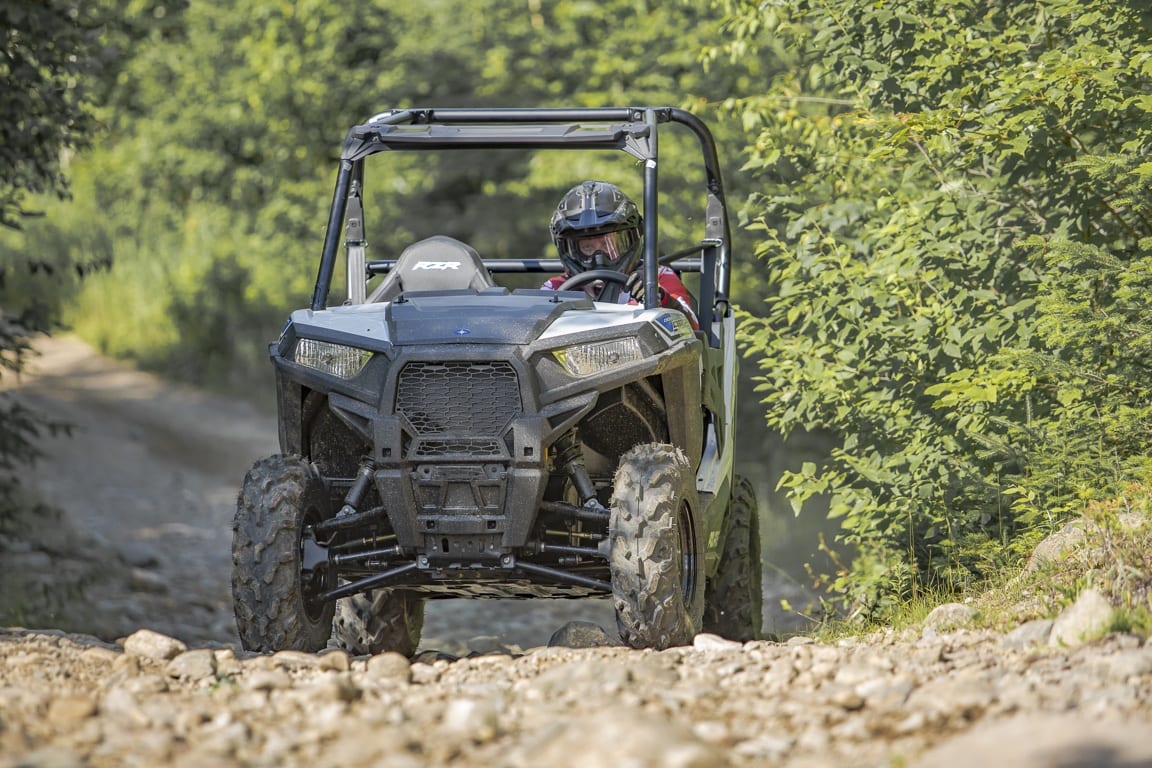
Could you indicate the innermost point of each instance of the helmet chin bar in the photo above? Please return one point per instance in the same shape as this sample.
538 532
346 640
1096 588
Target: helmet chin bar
599 260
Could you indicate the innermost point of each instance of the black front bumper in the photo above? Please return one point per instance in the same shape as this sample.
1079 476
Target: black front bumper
460 447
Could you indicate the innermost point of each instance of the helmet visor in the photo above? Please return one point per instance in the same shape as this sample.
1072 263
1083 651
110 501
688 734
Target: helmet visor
602 251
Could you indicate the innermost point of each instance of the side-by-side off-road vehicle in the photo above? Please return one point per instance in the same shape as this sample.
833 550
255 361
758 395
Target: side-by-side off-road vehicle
443 436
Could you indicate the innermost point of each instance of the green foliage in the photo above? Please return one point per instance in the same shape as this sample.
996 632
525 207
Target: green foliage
211 180
48 51
48 54
1119 538
20 426
1107 547
952 195
221 310
1088 369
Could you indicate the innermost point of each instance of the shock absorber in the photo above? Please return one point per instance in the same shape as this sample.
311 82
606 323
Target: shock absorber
356 492
350 515
570 456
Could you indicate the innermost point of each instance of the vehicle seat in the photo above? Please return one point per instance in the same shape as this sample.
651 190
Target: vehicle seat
437 263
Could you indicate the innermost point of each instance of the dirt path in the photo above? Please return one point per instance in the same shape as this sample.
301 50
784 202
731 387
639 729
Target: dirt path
151 470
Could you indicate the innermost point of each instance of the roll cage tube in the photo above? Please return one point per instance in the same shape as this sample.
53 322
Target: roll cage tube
631 129
651 230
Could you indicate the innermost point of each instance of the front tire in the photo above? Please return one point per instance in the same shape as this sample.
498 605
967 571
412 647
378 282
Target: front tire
656 557
273 595
378 621
733 602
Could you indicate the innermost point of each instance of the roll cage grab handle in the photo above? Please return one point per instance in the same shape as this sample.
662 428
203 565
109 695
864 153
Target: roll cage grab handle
631 129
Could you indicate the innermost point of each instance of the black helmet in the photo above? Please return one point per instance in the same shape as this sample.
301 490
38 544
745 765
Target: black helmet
596 226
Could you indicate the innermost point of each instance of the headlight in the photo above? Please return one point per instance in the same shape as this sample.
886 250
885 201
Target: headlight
332 359
586 359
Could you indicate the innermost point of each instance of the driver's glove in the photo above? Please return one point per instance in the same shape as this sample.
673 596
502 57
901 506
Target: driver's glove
635 288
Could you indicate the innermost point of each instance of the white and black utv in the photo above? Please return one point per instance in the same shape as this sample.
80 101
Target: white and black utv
444 436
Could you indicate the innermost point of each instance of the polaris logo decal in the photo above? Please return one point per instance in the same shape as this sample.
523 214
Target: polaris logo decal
676 324
437 265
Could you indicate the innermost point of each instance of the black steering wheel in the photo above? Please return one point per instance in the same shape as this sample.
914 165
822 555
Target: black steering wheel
613 282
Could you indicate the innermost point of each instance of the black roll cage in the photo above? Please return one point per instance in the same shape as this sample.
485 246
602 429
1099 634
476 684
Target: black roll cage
630 129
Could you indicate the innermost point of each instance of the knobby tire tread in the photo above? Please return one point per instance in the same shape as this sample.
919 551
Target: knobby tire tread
267 586
733 602
378 621
652 482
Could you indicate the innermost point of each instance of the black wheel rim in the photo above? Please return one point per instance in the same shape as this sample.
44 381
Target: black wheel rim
686 544
316 581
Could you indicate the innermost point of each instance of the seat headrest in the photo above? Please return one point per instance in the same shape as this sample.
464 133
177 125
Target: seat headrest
437 263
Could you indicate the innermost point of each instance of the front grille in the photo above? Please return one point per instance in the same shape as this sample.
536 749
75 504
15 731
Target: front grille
458 399
479 447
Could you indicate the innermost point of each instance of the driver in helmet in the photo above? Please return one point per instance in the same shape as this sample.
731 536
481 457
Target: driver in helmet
596 226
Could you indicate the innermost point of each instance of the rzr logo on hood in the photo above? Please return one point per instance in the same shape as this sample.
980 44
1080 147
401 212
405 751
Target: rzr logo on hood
437 265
